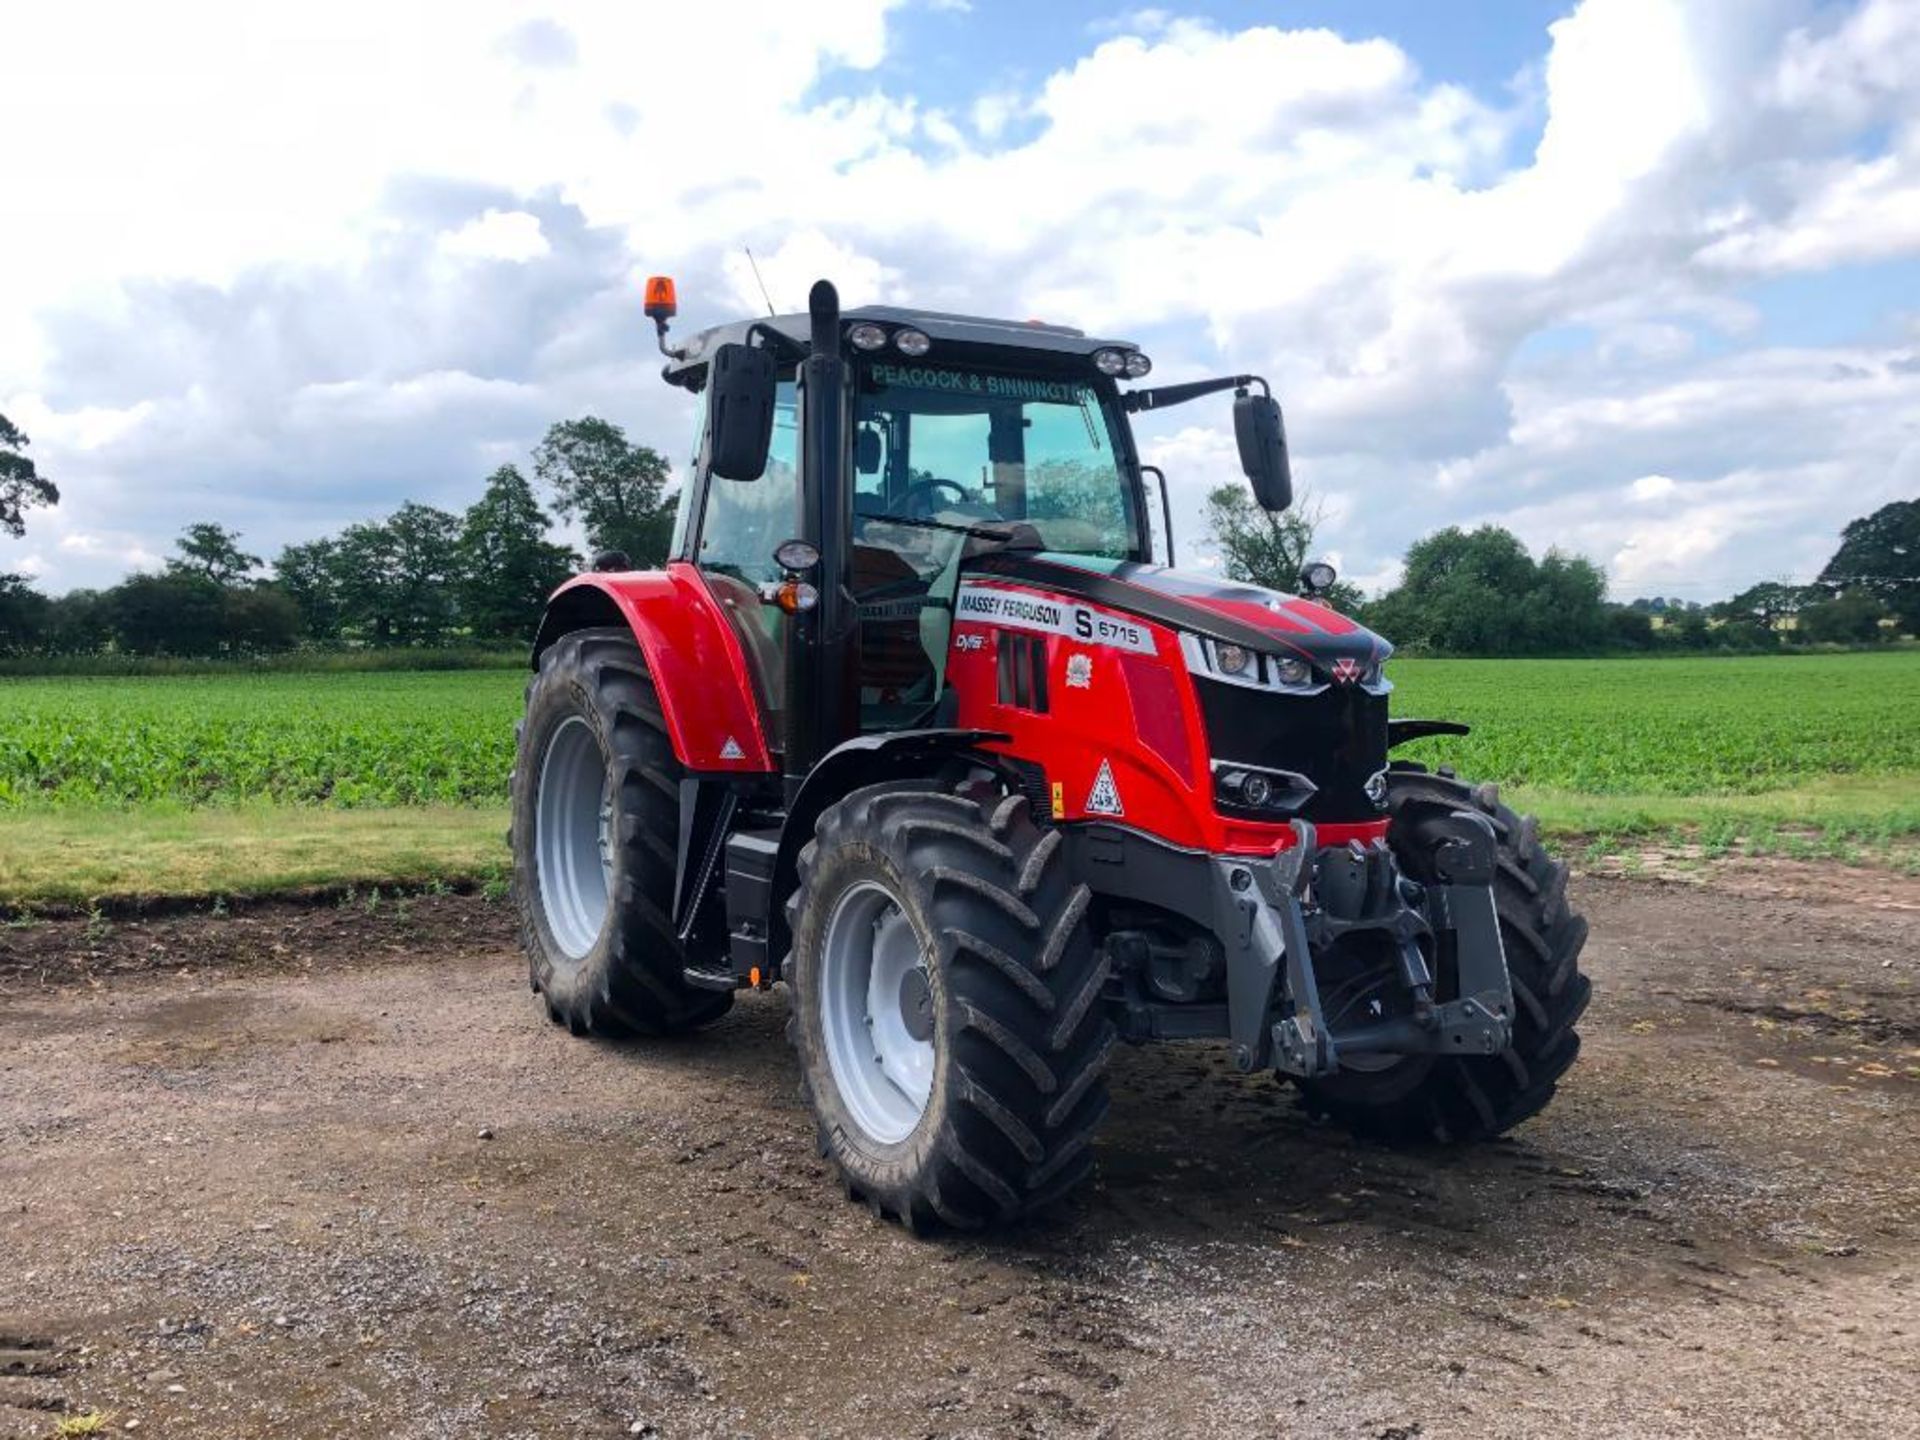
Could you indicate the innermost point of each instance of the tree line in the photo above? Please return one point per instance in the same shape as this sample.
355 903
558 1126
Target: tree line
1479 592
427 577
421 576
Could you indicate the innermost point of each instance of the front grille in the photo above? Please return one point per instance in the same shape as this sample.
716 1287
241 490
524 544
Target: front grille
1337 739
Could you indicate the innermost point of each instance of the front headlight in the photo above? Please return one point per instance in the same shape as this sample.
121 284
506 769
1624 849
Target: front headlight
1239 665
1292 672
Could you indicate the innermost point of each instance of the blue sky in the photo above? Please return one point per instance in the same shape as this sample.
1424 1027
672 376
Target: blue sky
1641 284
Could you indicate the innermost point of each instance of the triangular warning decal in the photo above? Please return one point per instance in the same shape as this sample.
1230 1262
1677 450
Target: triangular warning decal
1104 798
731 750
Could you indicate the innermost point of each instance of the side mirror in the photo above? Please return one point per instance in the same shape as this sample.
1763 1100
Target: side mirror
1263 450
740 390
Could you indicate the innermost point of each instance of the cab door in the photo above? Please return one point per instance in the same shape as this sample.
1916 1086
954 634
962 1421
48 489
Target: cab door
741 523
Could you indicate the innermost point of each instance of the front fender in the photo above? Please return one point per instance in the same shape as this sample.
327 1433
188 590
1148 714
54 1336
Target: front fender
700 674
863 760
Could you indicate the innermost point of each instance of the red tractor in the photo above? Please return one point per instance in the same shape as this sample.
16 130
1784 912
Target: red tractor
912 723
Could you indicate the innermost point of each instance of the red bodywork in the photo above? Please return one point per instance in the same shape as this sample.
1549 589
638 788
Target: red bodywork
1135 711
699 670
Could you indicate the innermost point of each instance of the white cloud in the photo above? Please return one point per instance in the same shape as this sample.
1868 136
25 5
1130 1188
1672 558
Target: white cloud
498 235
274 275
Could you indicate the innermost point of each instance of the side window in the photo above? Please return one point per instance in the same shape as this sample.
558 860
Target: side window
683 499
746 519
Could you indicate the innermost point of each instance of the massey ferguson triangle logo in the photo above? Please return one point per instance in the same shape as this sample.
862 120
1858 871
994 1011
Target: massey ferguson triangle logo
1346 670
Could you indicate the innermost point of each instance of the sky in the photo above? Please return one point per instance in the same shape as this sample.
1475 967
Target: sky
1635 278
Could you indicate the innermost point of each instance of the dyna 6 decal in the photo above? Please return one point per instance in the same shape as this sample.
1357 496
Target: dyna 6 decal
1017 610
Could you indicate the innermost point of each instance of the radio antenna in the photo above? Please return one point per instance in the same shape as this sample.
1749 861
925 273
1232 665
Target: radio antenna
756 278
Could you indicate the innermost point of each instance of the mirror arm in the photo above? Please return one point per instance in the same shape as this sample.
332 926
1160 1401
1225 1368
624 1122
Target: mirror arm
1161 396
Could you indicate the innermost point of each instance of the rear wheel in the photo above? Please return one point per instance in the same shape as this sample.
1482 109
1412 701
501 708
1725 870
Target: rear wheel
596 815
1450 1098
947 1009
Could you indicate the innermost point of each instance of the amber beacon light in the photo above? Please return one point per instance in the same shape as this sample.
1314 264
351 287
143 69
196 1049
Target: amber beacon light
661 304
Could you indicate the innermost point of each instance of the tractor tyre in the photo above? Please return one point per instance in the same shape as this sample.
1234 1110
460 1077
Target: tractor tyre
947 1006
1448 1098
596 823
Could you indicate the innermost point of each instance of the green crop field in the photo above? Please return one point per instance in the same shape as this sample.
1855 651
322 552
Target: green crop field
236 782
335 739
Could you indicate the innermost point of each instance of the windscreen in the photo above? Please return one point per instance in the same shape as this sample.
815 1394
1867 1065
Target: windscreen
938 442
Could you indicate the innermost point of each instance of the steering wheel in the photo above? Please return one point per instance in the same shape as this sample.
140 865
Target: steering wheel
916 500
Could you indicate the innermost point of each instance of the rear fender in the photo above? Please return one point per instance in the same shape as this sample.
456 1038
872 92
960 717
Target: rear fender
699 671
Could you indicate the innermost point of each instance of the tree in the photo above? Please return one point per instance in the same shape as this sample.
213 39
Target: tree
310 576
171 614
1481 593
1687 629
213 553
362 563
396 578
507 565
614 487
1768 603
24 613
1880 554
1630 627
260 619
1851 618
78 623
1259 547
21 486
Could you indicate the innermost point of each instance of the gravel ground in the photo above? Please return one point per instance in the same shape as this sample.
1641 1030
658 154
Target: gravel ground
306 1171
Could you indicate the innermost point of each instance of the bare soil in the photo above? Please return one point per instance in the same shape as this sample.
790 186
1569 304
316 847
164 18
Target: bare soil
326 1170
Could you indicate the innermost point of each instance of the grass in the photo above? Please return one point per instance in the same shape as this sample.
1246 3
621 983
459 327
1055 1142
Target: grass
91 1422
84 857
243 783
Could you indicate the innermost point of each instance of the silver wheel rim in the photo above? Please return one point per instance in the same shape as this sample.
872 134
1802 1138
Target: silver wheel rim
573 816
870 957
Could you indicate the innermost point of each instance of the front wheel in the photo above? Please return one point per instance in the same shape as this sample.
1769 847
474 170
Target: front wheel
1458 1098
946 1005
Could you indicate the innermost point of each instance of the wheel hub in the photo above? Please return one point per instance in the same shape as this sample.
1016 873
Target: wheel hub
916 1003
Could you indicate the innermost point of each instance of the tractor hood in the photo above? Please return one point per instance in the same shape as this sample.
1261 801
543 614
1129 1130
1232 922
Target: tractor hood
1264 620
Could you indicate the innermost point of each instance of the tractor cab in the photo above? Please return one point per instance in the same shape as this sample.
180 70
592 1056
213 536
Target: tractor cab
956 435
912 722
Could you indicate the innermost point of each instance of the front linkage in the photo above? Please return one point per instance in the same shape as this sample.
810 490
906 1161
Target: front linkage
1274 915
1278 919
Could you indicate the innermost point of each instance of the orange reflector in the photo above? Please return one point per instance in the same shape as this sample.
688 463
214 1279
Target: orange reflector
661 301
753 977
793 596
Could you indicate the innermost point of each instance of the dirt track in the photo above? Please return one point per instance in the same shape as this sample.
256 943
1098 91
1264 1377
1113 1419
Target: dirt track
246 1188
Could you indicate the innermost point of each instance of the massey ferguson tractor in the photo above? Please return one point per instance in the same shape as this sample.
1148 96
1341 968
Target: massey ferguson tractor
912 723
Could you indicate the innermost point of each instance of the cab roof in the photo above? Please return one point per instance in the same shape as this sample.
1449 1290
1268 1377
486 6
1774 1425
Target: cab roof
943 329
